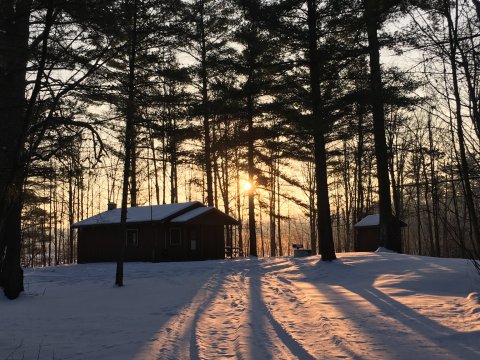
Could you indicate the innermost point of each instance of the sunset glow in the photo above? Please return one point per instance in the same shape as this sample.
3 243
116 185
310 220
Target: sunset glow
247 186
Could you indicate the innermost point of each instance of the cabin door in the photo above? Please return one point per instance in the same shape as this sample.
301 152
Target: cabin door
194 242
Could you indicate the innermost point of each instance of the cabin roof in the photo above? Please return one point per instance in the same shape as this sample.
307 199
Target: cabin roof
191 214
138 214
372 221
200 215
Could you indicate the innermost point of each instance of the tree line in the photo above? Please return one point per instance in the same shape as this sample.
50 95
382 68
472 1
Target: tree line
329 110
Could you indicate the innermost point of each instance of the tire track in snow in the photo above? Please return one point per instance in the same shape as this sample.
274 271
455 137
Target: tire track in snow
219 326
238 324
301 317
231 326
289 347
341 329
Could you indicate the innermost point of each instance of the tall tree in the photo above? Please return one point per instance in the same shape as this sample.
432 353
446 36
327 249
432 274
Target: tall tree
258 65
14 37
324 222
131 9
27 122
453 50
249 37
205 39
389 227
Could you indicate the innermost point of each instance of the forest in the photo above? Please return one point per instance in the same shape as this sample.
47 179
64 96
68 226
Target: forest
298 118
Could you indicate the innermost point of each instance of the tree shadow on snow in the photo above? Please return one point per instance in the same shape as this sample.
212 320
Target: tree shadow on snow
415 325
262 322
176 337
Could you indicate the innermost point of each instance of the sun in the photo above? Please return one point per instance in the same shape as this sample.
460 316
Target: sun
247 186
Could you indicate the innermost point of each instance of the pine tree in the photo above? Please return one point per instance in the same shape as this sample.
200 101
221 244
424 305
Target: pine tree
31 112
205 39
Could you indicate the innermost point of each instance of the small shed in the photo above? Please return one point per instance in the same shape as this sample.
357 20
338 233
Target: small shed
182 231
367 233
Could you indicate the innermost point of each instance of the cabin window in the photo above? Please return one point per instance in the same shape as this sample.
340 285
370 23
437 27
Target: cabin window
175 237
132 238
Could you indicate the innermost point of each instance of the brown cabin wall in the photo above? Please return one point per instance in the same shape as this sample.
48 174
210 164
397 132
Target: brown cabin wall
213 242
100 243
367 239
96 244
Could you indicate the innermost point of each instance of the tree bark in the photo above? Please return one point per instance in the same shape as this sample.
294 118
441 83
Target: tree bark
205 107
435 195
464 166
70 215
251 177
272 209
133 170
389 229
279 215
324 224
14 16
129 133
239 204
311 207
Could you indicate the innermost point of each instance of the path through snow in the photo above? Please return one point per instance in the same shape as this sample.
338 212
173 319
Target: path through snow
296 308
362 306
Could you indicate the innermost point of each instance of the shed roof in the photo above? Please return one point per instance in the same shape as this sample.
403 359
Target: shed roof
372 221
140 214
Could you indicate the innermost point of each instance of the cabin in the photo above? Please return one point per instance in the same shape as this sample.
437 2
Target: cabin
172 232
367 233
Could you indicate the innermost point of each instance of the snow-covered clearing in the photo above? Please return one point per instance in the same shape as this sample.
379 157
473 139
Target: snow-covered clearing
362 306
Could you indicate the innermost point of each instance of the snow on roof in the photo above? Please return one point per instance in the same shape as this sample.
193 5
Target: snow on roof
369 220
373 220
191 214
138 214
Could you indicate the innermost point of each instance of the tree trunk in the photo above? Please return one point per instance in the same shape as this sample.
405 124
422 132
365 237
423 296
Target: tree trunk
50 219
56 247
133 170
347 195
359 203
416 174
324 224
14 17
164 162
70 217
463 247
389 229
251 178
155 169
129 133
464 166
251 88
12 273
272 208
435 195
279 215
205 107
311 207
427 204
262 240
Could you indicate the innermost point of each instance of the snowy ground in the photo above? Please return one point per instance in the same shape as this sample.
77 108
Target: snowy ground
362 306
